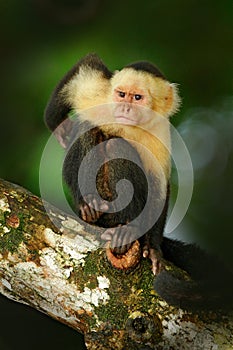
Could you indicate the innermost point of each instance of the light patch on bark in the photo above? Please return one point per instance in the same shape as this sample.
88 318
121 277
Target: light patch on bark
4 206
71 224
103 282
5 229
95 296
75 247
187 335
47 289
6 284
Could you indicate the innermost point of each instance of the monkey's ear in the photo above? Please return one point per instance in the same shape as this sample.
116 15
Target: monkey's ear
173 100
165 97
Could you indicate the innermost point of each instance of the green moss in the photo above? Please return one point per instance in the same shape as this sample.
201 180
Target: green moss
2 220
86 276
147 296
92 284
114 312
92 263
10 241
124 299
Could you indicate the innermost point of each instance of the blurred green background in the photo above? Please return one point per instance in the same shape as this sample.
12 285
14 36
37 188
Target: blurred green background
190 41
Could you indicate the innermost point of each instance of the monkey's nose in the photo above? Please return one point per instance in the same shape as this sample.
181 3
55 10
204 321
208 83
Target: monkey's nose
126 107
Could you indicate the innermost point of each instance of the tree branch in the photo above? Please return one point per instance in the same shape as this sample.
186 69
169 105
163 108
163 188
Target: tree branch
58 267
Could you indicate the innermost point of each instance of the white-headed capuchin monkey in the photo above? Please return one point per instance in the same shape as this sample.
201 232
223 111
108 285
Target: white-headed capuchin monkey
137 95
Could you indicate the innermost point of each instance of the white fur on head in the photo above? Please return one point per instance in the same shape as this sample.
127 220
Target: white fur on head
89 88
161 94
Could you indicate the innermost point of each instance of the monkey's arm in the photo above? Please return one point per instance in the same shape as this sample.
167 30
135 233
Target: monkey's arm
81 147
118 161
62 101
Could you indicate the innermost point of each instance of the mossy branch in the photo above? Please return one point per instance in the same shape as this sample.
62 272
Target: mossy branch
58 267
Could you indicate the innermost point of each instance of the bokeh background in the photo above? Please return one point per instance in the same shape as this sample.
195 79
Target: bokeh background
190 41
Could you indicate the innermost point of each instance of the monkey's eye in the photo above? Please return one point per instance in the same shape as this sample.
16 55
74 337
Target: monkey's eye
137 97
121 94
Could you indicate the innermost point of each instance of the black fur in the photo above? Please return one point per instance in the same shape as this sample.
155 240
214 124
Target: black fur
117 169
211 283
148 67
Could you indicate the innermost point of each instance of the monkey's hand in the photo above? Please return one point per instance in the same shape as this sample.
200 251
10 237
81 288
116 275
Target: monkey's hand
121 238
91 209
155 255
62 132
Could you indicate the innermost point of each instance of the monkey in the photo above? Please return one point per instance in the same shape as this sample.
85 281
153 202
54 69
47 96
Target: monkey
91 75
133 122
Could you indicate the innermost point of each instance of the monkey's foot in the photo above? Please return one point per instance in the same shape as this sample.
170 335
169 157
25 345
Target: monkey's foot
121 238
91 209
155 255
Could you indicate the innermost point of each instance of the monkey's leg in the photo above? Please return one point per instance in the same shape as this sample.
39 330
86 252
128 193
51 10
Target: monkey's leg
91 209
151 244
152 240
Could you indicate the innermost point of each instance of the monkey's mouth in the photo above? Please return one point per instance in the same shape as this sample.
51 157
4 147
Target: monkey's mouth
122 119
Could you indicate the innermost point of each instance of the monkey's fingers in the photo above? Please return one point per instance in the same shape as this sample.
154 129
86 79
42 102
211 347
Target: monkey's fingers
119 242
90 209
108 233
123 238
88 214
62 132
118 238
155 255
59 134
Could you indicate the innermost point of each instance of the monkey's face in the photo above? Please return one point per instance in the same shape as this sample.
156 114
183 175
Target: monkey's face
127 102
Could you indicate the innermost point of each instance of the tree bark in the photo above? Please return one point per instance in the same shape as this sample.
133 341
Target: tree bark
55 264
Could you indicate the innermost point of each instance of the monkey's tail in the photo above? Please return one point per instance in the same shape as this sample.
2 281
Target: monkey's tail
210 286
